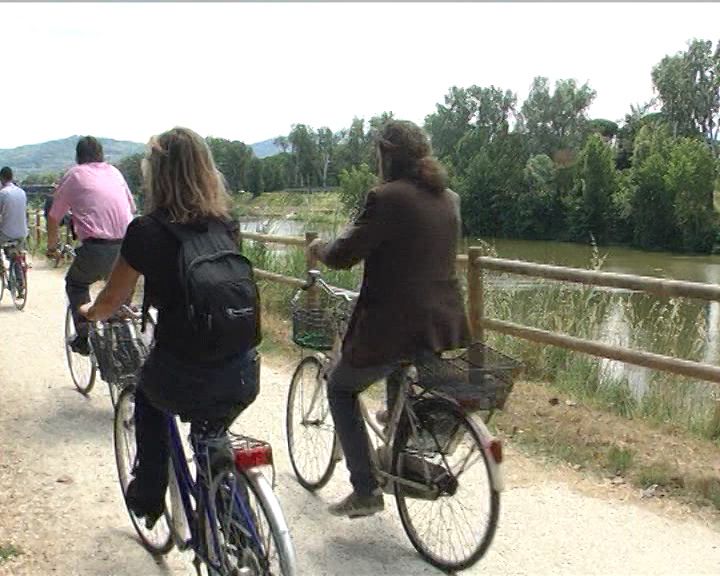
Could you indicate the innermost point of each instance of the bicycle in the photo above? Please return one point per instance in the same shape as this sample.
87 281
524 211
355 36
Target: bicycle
236 526
65 254
15 276
118 348
429 445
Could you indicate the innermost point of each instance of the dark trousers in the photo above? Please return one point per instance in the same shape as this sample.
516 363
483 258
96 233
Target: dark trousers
344 385
93 262
200 394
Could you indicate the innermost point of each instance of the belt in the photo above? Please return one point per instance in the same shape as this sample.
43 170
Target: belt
102 241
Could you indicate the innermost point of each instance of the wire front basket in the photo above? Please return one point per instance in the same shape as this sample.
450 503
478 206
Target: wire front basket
317 318
479 378
119 349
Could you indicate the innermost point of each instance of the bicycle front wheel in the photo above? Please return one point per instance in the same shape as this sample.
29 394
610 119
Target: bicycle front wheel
440 447
82 368
311 438
157 539
252 531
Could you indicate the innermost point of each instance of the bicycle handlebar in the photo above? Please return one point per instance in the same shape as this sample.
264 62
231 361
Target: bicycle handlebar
315 278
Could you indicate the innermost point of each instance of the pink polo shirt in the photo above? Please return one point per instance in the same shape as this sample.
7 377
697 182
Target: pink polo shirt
101 203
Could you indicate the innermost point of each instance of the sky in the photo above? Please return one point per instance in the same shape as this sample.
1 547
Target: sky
251 71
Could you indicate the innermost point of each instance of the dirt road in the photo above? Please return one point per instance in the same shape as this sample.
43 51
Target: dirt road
61 507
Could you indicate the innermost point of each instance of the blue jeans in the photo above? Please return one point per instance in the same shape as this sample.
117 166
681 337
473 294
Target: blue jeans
215 394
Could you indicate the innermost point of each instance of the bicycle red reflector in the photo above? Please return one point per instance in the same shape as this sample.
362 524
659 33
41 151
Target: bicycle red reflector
496 450
253 457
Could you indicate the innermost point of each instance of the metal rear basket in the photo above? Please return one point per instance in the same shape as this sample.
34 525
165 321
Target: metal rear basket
479 378
119 349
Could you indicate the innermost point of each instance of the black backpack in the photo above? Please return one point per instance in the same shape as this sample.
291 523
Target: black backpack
222 302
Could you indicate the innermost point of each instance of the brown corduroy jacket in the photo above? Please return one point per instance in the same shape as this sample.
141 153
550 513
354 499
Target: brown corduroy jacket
410 299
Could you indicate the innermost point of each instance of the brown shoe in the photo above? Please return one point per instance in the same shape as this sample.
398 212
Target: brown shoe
356 506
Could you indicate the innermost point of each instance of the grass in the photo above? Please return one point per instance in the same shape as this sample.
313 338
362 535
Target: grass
672 327
9 551
619 459
538 420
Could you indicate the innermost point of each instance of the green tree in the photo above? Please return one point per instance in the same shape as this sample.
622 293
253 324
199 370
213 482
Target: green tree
558 120
468 120
537 203
354 185
255 181
130 167
688 86
653 220
40 178
690 179
490 184
305 154
590 208
327 148
232 158
638 117
606 128
277 171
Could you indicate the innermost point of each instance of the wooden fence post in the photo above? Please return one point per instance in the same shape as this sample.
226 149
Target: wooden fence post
310 261
38 232
475 293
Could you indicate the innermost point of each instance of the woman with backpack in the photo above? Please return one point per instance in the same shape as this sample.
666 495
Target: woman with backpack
203 366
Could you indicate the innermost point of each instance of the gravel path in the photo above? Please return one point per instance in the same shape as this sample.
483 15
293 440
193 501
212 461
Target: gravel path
60 503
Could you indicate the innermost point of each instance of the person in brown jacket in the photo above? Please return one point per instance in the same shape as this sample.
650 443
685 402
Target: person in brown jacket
410 301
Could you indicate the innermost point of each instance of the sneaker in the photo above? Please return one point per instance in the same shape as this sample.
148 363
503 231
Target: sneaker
81 345
356 506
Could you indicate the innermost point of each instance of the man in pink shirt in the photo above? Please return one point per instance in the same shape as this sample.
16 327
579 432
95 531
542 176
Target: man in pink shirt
102 207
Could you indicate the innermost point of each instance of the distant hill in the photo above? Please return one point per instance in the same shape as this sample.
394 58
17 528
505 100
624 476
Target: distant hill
265 148
58 155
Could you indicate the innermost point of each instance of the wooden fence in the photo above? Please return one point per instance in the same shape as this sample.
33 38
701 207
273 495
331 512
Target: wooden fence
475 265
37 227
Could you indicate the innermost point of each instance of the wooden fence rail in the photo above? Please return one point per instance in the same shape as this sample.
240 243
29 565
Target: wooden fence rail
476 264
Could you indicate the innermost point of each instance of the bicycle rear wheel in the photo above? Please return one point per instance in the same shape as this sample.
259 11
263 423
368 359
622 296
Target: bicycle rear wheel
158 539
2 285
17 283
311 438
440 446
82 368
253 533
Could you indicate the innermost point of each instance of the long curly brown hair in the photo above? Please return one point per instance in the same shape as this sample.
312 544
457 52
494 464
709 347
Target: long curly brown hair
405 153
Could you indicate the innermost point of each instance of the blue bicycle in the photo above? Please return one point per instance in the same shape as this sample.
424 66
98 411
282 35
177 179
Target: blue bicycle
225 512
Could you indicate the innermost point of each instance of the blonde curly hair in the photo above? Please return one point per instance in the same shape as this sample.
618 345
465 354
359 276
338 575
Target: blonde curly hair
180 176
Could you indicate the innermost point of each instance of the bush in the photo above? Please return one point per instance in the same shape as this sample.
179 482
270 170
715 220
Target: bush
354 186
